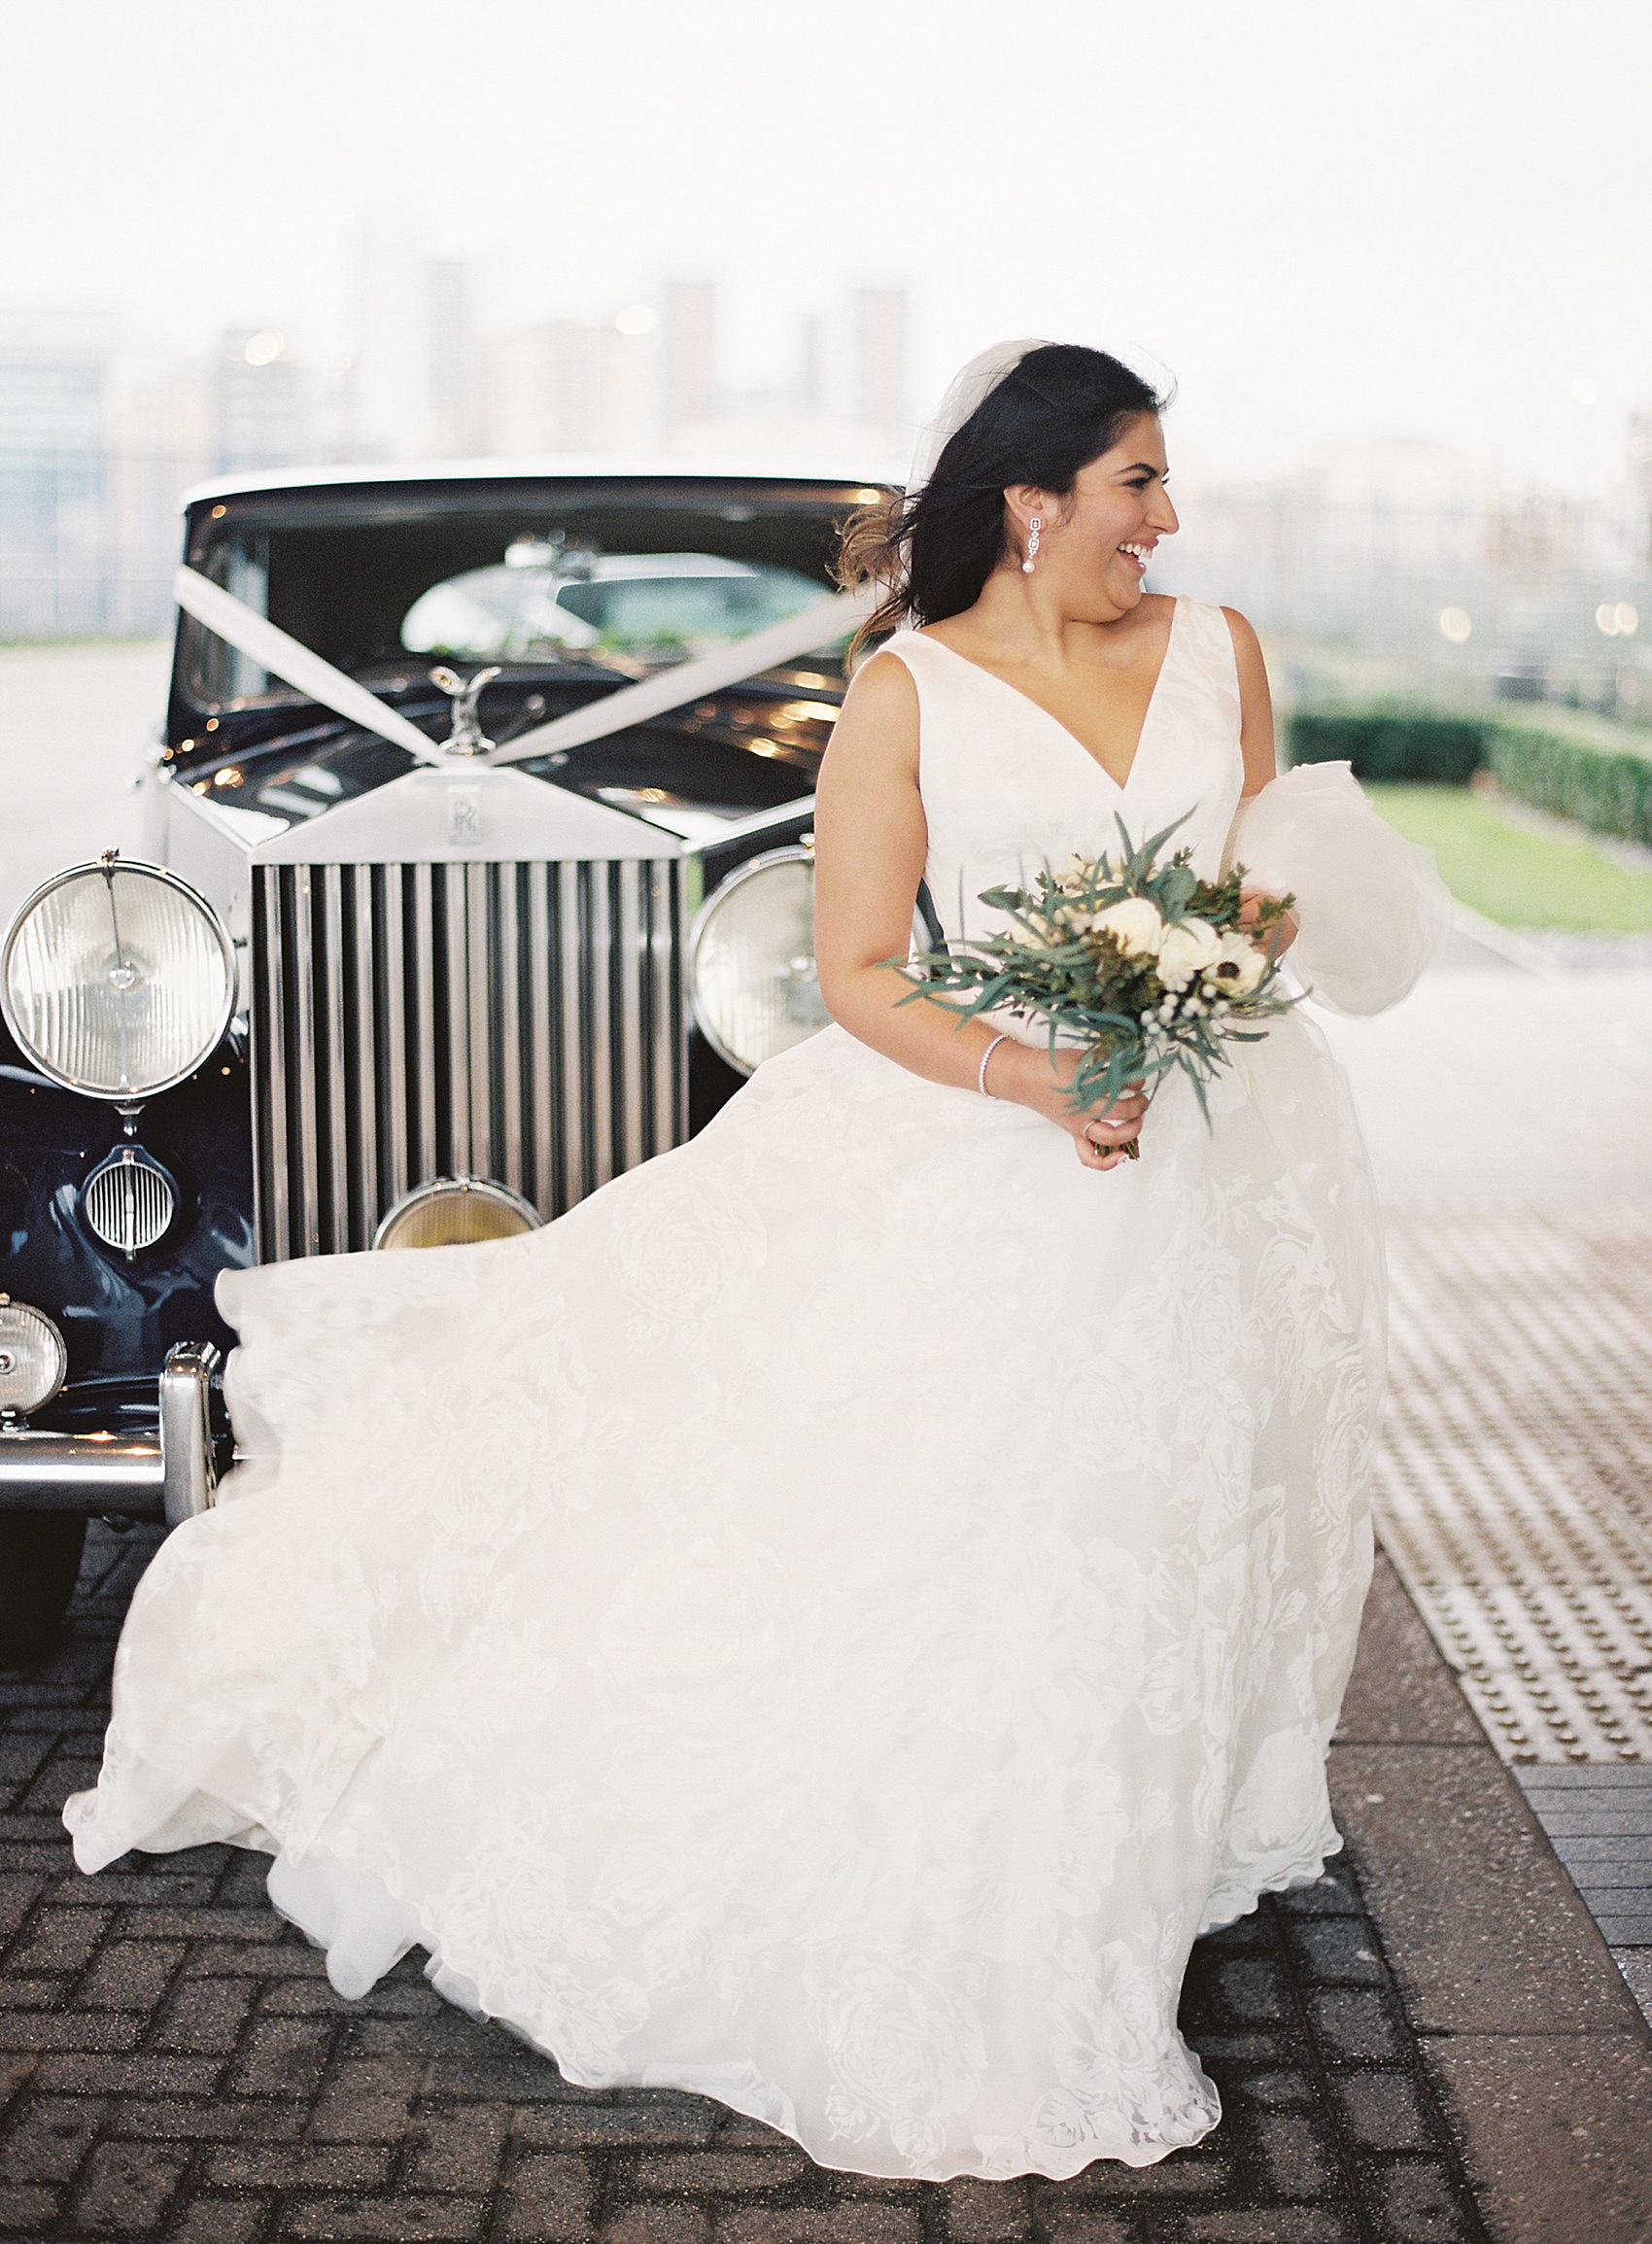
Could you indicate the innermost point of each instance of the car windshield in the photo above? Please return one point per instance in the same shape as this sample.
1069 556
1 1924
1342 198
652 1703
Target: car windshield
545 601
609 574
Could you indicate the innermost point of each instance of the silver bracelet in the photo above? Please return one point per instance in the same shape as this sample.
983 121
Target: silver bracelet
981 1079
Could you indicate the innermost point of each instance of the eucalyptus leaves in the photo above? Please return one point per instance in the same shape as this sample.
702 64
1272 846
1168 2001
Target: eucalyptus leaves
1141 962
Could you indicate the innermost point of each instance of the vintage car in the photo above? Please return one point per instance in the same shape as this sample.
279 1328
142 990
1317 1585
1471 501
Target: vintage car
417 951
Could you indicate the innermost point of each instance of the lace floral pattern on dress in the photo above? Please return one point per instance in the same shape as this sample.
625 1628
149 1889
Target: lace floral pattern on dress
825 1623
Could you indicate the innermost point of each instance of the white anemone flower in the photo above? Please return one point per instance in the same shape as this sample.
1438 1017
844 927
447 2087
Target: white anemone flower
1239 968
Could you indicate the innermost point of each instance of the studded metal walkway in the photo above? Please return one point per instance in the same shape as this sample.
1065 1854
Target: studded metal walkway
1514 1495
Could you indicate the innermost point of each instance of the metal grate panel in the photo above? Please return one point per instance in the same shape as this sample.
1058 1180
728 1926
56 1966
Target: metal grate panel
1514 1483
518 1021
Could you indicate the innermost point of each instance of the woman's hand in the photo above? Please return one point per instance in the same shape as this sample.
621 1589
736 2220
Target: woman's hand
1032 1077
1285 929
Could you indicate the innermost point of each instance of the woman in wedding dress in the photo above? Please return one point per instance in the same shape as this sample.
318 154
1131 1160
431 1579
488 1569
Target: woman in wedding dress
828 1622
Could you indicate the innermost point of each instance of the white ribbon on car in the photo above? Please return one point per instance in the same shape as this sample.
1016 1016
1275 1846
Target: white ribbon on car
744 658
277 651
273 649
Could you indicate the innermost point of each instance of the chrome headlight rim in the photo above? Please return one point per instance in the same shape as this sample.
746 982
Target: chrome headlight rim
11 1308
37 1059
793 854
438 1189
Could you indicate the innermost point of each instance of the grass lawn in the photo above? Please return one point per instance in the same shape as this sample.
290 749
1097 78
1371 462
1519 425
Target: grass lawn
1518 878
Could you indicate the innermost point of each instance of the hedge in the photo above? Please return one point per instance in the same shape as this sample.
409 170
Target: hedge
1578 767
1390 743
1606 787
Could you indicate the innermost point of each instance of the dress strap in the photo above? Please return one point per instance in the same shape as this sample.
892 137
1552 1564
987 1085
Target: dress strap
910 647
1208 646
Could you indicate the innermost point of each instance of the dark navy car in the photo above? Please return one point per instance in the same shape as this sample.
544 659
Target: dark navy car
476 870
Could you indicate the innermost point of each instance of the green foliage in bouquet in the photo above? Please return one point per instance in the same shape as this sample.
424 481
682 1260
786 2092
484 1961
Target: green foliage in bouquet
1139 962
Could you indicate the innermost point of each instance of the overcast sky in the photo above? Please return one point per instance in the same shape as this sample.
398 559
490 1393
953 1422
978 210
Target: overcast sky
1333 220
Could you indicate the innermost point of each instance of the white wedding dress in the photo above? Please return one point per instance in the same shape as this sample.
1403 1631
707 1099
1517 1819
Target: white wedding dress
827 1622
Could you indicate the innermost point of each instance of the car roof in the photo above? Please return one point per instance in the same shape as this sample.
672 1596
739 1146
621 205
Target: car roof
574 467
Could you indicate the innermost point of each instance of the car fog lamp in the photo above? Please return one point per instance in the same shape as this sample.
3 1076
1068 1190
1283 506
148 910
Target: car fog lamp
33 1360
129 1200
117 979
457 1212
752 960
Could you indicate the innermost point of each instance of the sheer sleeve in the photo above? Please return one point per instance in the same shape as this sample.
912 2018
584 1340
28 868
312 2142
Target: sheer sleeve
1373 910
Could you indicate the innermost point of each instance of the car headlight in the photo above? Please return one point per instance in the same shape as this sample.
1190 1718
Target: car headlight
33 1360
457 1212
751 954
117 979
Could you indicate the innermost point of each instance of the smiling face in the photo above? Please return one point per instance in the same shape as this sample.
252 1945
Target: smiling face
1096 543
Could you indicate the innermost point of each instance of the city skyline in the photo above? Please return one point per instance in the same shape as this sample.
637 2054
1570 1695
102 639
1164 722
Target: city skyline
423 380
1398 221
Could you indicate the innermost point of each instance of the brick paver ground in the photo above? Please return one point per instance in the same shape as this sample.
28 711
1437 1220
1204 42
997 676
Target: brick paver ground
174 2065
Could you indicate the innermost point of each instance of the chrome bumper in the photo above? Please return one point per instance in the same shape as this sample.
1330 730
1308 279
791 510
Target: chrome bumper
172 1479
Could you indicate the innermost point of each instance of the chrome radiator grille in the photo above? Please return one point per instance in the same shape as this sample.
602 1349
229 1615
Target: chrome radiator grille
519 1021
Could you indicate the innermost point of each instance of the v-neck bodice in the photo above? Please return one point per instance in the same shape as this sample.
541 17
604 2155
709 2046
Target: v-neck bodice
1165 660
1008 788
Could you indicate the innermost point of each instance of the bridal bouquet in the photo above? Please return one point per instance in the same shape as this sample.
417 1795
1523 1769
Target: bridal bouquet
1142 963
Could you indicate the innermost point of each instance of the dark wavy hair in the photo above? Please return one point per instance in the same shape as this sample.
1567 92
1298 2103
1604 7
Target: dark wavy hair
1062 407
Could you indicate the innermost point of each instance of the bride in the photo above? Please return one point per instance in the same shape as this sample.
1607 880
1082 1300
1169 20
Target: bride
827 1623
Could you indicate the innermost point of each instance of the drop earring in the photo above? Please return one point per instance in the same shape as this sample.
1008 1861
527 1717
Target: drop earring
1033 529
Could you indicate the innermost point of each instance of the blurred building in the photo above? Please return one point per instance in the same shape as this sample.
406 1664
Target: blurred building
1639 446
390 406
251 404
97 444
690 336
162 437
880 320
572 385
843 404
426 382
55 372
54 383
452 330
259 403
412 382
1404 566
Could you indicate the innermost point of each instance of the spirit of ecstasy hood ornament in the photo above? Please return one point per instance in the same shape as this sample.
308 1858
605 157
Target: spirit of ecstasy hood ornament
467 737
